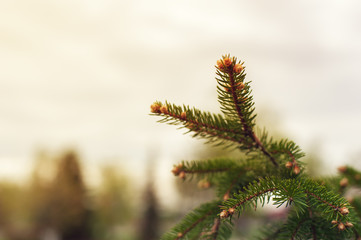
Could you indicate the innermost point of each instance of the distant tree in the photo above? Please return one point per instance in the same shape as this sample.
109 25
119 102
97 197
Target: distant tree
39 190
67 208
149 225
13 214
150 219
112 207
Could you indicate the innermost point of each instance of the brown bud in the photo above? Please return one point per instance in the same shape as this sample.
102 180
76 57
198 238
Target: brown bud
223 214
344 182
341 226
240 86
348 224
289 164
220 64
155 108
227 61
231 210
344 211
204 184
342 169
175 171
334 222
237 68
180 235
242 99
163 109
183 115
226 197
182 175
296 170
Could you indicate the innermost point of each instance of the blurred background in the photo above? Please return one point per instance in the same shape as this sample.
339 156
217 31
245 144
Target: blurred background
80 157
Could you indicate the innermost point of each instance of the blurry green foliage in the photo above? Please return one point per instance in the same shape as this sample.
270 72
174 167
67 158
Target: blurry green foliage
56 203
111 204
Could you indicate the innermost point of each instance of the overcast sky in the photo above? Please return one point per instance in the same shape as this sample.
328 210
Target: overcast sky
84 73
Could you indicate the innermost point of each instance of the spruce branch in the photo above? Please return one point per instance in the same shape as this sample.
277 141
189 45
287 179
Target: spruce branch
290 149
229 189
298 226
200 218
207 167
236 101
213 233
212 127
306 227
269 170
289 191
310 214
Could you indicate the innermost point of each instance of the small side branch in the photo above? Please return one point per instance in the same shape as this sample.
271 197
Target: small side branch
182 234
202 127
263 149
310 213
226 195
200 124
296 230
290 154
206 171
336 208
215 228
230 211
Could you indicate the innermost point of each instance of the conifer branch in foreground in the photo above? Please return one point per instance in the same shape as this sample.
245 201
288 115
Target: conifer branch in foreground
269 170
